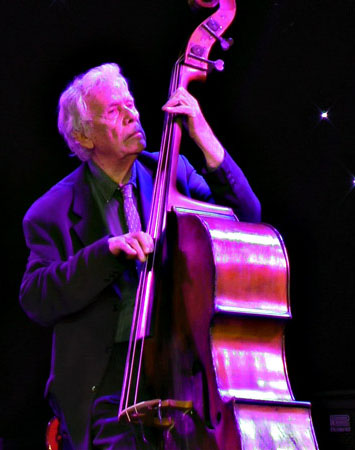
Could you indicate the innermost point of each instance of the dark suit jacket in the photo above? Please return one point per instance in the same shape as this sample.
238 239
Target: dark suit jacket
70 271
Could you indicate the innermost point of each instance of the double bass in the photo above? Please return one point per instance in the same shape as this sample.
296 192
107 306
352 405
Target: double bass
210 336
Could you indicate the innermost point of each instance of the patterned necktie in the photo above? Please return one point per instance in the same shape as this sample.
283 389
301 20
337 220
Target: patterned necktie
130 211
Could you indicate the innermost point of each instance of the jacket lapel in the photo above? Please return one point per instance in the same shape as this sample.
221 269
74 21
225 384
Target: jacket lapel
87 221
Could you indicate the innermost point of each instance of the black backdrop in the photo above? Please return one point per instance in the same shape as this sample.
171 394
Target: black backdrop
292 59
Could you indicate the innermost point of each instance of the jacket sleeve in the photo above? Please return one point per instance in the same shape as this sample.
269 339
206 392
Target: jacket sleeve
226 186
56 285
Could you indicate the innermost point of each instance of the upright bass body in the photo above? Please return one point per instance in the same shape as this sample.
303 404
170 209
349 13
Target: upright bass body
224 337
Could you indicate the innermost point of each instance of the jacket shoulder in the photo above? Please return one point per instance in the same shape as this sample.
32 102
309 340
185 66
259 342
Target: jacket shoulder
150 161
57 197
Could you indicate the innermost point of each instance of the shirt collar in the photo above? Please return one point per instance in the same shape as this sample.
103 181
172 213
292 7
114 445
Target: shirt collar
105 184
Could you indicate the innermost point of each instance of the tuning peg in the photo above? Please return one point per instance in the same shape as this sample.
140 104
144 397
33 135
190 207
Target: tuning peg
225 43
218 64
211 27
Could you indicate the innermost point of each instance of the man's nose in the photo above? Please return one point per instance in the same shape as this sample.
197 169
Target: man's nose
131 114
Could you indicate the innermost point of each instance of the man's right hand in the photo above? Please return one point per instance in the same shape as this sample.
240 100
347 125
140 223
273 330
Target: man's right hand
134 245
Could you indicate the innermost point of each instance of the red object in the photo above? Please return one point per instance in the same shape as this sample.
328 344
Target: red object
53 437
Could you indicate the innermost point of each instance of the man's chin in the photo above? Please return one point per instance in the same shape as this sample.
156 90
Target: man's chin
136 150
141 146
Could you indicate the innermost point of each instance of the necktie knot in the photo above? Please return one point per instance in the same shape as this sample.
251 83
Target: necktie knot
127 191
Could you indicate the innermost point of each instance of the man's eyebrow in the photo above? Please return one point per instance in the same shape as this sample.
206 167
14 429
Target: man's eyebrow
113 104
117 102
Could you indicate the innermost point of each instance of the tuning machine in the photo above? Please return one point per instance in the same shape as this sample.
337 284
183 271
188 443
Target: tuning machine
197 52
212 26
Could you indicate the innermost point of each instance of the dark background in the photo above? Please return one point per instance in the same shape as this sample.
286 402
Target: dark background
292 59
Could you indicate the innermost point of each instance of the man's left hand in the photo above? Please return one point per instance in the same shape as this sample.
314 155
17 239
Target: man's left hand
182 102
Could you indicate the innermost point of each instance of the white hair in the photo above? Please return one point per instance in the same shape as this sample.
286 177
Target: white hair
72 107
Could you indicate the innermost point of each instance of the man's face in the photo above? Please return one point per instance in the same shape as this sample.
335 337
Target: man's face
113 127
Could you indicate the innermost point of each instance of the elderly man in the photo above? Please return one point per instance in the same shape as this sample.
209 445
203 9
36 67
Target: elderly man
81 275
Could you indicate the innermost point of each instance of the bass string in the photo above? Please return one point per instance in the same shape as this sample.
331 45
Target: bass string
155 225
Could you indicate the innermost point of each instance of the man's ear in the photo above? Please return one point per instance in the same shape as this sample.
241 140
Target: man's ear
83 140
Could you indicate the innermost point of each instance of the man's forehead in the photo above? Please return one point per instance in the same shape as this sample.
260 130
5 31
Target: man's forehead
110 90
